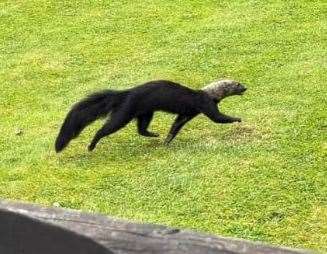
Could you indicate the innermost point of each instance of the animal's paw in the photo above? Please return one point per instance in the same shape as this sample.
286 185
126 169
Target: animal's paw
168 139
237 119
154 135
91 147
166 143
150 134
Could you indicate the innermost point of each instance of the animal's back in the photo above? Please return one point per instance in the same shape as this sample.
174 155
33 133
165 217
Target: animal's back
166 96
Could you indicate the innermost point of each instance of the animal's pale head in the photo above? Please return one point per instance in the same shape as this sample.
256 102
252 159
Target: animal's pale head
222 88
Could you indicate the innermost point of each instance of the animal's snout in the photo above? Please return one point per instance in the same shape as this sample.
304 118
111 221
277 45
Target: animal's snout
243 89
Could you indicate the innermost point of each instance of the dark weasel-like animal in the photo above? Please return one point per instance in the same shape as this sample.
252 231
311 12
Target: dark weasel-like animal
141 102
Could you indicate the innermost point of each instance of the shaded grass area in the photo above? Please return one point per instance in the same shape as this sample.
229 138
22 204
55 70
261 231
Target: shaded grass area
263 179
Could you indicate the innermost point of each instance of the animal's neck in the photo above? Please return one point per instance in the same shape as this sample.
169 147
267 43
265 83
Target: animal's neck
216 92
219 94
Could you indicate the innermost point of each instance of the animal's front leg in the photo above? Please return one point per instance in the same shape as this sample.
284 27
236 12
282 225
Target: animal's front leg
228 119
211 111
176 127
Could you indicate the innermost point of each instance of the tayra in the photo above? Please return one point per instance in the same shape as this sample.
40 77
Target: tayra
141 102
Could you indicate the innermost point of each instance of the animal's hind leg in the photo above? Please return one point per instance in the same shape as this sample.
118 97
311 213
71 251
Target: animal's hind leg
176 127
143 122
115 123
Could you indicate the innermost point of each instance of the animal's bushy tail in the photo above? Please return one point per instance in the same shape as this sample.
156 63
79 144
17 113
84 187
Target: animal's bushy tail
85 112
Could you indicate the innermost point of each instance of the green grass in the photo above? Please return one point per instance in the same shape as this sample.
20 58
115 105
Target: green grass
264 179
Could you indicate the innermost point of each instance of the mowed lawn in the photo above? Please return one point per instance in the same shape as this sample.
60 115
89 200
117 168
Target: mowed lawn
263 179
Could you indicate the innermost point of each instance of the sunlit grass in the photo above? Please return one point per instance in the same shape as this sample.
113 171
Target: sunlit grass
263 179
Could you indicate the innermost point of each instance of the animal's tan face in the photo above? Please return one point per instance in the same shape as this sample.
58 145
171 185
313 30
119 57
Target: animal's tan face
232 87
222 88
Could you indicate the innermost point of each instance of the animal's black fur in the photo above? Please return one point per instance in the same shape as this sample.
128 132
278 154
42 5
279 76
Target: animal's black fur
140 102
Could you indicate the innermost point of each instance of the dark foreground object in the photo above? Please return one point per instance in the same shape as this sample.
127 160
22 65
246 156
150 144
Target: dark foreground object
31 229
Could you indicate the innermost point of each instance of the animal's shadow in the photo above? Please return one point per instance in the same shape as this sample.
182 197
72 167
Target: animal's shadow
123 149
122 152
